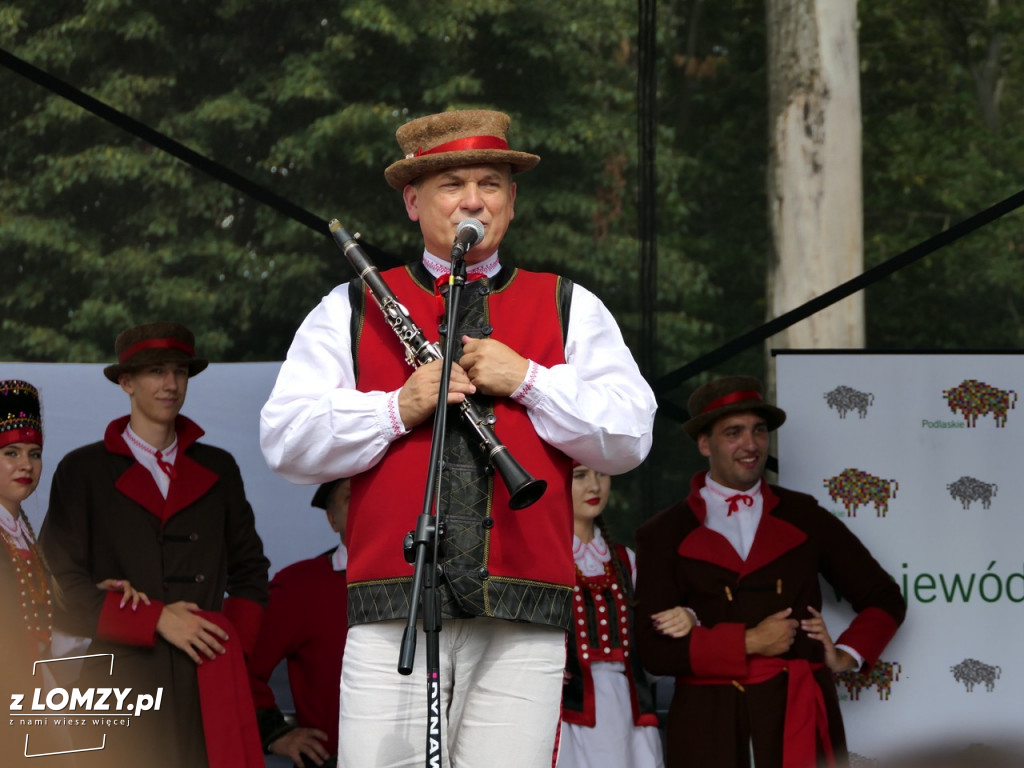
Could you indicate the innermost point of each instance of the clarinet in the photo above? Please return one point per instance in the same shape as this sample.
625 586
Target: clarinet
523 489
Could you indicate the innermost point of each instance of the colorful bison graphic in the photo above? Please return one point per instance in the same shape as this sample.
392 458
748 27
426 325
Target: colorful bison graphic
880 676
973 398
969 489
855 488
972 672
845 399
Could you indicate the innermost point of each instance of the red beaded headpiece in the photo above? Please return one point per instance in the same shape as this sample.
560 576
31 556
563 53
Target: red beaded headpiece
20 414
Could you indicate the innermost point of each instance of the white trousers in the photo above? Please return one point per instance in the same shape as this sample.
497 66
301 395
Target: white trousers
501 688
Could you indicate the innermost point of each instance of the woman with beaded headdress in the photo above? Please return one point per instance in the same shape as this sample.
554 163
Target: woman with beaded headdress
608 716
21 462
26 594
29 603
27 591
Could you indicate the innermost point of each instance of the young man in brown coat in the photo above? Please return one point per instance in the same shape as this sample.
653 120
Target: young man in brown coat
755 678
151 504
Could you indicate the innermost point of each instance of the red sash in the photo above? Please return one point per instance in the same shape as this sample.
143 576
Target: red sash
229 717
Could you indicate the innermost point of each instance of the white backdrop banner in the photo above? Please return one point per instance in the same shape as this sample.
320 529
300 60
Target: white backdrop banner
225 400
920 455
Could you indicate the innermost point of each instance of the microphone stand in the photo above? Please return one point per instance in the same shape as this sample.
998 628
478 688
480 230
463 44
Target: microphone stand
425 543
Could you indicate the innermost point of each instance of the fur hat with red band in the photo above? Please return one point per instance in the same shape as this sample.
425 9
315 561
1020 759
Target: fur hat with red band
154 343
451 139
732 394
21 419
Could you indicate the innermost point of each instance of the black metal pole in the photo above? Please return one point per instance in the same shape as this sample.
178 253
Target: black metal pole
647 213
426 539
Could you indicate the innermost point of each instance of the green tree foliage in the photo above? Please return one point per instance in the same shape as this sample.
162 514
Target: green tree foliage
941 92
100 230
941 85
943 138
714 103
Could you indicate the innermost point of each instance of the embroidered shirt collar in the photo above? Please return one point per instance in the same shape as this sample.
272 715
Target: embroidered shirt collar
168 455
437 267
15 527
160 464
591 557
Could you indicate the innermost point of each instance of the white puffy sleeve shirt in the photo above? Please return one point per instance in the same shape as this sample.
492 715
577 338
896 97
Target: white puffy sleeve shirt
317 426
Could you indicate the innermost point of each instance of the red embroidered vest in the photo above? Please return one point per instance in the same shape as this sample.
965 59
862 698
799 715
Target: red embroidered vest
514 564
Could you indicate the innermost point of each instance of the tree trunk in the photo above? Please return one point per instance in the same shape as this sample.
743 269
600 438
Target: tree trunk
814 169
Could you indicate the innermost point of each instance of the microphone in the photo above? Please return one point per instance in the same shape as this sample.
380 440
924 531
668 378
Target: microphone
467 234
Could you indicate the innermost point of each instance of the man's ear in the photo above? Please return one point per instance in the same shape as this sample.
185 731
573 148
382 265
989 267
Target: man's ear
125 382
703 444
410 194
331 522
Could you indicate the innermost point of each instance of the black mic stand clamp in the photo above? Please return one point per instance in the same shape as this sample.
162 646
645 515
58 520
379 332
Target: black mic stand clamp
417 537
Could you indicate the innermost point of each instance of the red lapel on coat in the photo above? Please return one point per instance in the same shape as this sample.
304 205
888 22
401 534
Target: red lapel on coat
138 485
773 539
192 483
710 547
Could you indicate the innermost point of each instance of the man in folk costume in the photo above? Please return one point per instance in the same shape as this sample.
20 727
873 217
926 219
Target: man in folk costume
548 358
754 680
151 504
306 622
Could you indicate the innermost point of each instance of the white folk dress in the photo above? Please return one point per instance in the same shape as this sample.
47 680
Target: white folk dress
614 741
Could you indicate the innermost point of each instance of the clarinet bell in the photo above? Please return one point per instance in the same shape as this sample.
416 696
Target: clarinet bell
523 488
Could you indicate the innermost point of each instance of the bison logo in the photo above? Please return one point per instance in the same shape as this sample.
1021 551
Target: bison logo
844 399
972 672
973 398
854 488
969 489
881 677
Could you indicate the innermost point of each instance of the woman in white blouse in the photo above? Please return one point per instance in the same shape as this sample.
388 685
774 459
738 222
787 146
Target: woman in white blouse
608 716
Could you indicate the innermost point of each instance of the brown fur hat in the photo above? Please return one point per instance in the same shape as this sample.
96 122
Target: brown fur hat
162 342
450 139
732 394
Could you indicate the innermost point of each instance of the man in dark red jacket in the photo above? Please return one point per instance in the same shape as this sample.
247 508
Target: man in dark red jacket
306 623
755 678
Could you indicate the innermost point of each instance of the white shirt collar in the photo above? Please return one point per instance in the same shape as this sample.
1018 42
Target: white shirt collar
15 526
489 267
591 557
738 529
339 560
724 492
145 454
